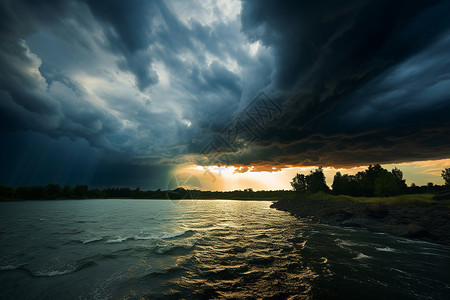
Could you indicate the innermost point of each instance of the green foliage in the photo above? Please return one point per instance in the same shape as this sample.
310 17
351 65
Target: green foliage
423 200
67 192
81 191
314 182
31 193
53 191
347 184
375 181
386 185
6 192
299 183
446 176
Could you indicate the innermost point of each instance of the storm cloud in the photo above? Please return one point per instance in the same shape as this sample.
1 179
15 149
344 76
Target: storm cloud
367 81
146 85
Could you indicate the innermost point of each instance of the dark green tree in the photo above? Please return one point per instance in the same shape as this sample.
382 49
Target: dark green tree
67 192
6 192
369 177
338 184
315 181
81 191
446 176
386 185
299 183
53 191
398 177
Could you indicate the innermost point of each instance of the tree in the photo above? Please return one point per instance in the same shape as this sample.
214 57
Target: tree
348 184
446 175
67 192
338 184
369 177
386 185
398 177
299 183
81 191
6 192
53 191
315 181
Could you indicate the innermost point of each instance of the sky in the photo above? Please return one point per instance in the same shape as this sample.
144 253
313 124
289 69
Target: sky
239 93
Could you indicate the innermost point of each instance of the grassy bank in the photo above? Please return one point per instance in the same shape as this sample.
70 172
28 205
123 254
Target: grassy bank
423 200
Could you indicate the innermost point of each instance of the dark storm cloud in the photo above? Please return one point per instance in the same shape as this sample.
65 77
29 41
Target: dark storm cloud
366 81
148 82
66 69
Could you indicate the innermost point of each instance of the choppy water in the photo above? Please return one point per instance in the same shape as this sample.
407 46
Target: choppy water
129 249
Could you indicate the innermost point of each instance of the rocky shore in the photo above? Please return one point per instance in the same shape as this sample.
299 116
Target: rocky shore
431 224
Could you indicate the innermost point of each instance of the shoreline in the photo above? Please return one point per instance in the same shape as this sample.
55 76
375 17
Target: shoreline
430 224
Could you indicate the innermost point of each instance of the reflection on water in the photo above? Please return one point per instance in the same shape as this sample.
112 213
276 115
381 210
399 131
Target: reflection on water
203 249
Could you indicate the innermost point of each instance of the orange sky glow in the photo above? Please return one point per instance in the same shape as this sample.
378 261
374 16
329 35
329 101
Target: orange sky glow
228 178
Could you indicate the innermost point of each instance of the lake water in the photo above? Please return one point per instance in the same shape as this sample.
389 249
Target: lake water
223 249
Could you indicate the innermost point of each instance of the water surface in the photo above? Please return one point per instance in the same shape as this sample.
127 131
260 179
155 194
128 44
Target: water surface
221 249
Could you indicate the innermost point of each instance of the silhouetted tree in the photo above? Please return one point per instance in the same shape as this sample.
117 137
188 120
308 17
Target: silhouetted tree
67 192
347 185
6 192
30 192
315 181
386 185
53 191
446 175
398 177
369 177
81 191
299 183
96 194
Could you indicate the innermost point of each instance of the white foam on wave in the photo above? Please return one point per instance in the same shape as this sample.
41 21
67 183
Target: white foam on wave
53 273
8 267
361 256
92 240
150 237
143 238
116 241
386 249
342 243
174 235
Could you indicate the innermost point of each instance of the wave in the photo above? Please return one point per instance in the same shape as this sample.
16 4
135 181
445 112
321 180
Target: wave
150 237
118 240
386 249
92 240
53 273
344 243
8 268
173 248
362 256
179 234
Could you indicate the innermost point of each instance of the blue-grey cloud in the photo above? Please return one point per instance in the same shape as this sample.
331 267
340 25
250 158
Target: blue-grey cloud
147 83
367 81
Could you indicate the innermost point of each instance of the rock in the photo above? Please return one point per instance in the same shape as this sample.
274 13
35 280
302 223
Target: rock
376 210
357 222
345 214
417 231
444 195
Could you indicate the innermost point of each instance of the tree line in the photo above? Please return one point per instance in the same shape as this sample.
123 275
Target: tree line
374 181
80 191
55 192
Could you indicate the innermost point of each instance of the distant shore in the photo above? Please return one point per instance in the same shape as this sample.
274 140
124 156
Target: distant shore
431 224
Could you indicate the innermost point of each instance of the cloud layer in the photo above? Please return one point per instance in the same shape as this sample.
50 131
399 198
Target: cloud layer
152 82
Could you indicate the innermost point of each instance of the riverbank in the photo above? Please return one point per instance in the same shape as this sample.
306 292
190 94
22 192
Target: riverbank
431 223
